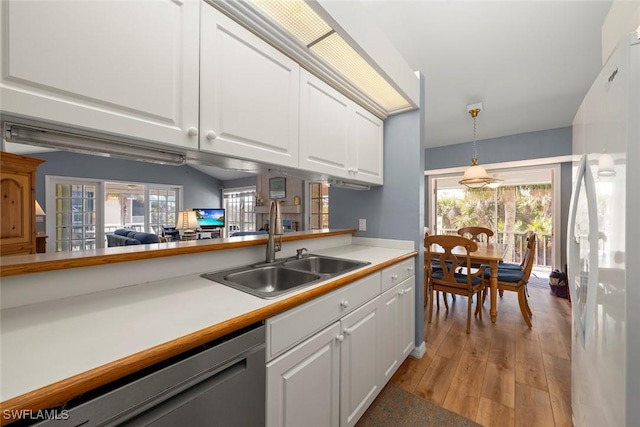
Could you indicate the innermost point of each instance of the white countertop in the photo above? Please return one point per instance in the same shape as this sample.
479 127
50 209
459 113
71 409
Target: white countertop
46 342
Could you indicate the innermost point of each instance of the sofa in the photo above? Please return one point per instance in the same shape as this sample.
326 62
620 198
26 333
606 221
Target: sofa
122 237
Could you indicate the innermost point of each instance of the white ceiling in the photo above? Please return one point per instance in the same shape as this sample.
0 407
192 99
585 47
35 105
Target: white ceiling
529 62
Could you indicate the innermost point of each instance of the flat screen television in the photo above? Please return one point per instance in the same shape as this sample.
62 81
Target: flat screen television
210 218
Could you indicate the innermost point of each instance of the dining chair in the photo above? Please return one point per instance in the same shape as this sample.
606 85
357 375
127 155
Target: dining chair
435 266
510 279
446 279
478 234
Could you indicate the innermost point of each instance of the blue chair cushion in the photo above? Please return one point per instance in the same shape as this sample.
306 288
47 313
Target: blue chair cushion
248 233
509 266
505 266
460 278
511 276
435 265
122 232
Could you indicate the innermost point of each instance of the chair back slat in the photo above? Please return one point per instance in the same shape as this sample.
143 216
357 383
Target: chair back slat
529 257
477 234
449 262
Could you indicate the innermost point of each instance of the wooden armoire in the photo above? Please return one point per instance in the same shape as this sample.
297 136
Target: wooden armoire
17 204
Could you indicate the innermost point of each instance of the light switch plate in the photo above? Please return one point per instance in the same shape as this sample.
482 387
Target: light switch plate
362 224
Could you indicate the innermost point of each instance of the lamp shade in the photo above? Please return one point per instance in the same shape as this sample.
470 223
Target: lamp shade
475 176
39 210
187 220
606 167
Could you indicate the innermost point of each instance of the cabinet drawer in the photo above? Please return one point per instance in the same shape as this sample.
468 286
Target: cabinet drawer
397 273
287 329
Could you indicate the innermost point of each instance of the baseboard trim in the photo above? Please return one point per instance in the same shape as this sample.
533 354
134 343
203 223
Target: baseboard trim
419 351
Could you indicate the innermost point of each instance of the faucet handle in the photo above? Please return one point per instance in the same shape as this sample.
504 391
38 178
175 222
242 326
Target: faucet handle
299 252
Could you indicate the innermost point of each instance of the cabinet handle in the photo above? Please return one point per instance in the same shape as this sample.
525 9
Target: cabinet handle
406 291
348 331
401 292
410 269
394 277
340 338
355 170
211 135
344 304
193 131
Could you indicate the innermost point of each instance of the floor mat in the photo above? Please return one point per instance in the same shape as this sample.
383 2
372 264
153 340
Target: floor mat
398 408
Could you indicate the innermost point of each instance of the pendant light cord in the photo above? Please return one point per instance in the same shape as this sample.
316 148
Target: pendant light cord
475 150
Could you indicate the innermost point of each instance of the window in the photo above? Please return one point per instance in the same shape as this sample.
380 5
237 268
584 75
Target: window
239 205
319 203
88 210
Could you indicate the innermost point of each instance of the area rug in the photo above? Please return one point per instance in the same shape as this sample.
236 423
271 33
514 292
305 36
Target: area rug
395 407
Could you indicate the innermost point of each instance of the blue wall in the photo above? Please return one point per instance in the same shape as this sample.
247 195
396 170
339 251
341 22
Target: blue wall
525 146
250 181
199 189
395 210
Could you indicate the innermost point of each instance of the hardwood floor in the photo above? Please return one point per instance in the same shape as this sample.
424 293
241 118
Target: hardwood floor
501 374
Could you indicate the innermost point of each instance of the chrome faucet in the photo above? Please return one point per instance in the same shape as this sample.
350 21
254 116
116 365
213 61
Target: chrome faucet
275 228
300 253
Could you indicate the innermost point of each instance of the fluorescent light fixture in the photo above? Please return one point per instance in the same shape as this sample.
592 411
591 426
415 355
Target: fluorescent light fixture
349 185
88 145
305 25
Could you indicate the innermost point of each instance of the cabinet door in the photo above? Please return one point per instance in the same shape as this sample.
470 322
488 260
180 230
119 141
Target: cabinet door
407 314
360 379
249 94
303 384
391 306
367 150
104 66
324 127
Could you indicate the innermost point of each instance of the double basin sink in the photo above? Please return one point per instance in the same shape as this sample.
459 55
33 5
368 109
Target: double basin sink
274 279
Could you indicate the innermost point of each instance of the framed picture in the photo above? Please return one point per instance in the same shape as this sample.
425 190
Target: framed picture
277 188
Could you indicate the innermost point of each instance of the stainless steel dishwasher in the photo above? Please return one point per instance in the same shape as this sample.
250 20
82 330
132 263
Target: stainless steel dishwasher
219 384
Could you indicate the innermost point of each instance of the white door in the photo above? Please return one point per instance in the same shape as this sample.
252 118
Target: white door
360 379
367 155
250 94
325 130
303 385
124 68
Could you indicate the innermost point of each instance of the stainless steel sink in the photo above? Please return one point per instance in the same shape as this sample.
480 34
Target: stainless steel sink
274 279
324 265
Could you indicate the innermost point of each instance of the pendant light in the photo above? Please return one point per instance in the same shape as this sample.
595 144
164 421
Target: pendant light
476 176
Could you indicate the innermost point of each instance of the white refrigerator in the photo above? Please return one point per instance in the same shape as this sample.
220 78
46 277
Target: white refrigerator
604 246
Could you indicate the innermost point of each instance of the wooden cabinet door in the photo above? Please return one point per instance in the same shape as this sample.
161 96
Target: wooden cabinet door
367 149
17 204
360 379
303 385
249 94
325 130
123 68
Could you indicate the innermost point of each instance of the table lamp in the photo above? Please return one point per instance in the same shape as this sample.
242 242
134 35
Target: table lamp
187 223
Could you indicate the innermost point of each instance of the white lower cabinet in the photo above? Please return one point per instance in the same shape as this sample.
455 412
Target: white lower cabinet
303 385
396 326
360 380
330 377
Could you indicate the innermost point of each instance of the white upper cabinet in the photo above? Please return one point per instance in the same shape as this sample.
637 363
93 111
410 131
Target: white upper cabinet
338 137
124 68
325 131
366 163
250 94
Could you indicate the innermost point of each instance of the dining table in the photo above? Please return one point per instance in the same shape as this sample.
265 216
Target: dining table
490 254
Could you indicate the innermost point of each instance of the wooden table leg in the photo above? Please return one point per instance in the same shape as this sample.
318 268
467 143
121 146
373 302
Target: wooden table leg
493 283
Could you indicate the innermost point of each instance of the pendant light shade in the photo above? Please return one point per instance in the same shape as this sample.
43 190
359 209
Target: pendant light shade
476 176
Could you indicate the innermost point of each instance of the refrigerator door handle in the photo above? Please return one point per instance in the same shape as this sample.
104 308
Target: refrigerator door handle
583 271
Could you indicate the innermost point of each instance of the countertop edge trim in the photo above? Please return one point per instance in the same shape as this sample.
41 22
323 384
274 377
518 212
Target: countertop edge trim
62 391
105 259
